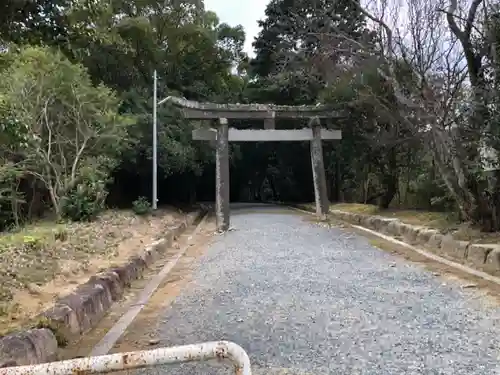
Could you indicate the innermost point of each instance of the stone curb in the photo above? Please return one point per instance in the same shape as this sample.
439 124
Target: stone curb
78 312
484 257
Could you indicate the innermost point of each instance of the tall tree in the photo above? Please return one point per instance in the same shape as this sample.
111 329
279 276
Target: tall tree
293 35
33 21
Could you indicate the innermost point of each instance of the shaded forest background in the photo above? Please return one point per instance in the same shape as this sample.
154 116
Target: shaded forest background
418 80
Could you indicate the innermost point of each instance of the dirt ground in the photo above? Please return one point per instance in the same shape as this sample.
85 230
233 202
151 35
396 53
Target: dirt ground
446 223
42 262
142 334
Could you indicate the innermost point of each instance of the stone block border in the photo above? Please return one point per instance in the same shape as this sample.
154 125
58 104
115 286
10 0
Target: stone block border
483 257
75 314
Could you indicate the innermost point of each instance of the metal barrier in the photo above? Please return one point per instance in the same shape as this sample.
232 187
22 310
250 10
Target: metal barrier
224 350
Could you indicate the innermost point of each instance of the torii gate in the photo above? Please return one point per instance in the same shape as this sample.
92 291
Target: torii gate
222 135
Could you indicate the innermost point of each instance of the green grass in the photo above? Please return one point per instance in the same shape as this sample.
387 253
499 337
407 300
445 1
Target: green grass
41 234
439 220
446 223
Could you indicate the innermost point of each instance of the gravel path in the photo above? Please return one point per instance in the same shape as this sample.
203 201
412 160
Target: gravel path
304 299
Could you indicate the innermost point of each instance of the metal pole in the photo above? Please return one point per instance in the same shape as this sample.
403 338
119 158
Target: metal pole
155 157
109 363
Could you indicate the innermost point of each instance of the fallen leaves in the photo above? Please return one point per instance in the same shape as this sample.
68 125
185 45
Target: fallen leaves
33 257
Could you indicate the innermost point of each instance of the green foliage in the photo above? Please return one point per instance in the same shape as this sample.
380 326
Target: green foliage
72 116
293 31
87 105
85 201
37 21
87 198
61 125
141 206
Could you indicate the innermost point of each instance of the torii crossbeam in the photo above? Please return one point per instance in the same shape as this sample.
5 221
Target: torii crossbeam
222 135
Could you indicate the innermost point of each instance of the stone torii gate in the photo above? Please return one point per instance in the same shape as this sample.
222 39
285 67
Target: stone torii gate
222 135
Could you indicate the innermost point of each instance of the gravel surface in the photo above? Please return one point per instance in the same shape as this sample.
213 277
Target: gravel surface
305 299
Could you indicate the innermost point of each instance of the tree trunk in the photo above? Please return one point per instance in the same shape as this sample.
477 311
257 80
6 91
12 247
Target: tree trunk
389 179
51 187
456 176
489 202
366 184
55 202
338 177
390 191
330 188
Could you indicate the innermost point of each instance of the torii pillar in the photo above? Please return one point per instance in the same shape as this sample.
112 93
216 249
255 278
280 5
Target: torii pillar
318 170
222 198
222 135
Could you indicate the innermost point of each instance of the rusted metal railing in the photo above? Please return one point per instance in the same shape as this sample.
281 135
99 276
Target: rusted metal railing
223 350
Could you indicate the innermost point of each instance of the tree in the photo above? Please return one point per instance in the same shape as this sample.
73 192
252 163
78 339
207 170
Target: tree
445 95
121 45
306 54
33 21
68 126
289 45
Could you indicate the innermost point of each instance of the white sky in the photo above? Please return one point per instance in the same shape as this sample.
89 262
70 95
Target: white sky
240 12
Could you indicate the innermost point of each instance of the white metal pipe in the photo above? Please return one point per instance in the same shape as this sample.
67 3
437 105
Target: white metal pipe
223 350
155 147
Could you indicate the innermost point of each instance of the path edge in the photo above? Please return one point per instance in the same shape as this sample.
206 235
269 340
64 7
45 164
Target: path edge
478 256
75 314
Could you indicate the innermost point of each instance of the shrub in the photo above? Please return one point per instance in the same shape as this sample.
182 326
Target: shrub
85 201
141 206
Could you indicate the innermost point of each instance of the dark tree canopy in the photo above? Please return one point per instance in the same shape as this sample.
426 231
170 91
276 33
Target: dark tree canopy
33 21
422 126
295 29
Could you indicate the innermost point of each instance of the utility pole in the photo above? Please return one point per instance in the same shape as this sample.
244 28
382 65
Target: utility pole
155 131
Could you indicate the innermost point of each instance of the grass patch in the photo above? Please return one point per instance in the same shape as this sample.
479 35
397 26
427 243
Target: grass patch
446 223
43 261
366 209
28 256
438 220
33 236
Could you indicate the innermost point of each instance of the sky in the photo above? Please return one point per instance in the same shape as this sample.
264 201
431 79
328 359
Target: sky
240 12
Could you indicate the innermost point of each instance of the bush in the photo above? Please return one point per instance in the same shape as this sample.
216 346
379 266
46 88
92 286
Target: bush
141 206
85 201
